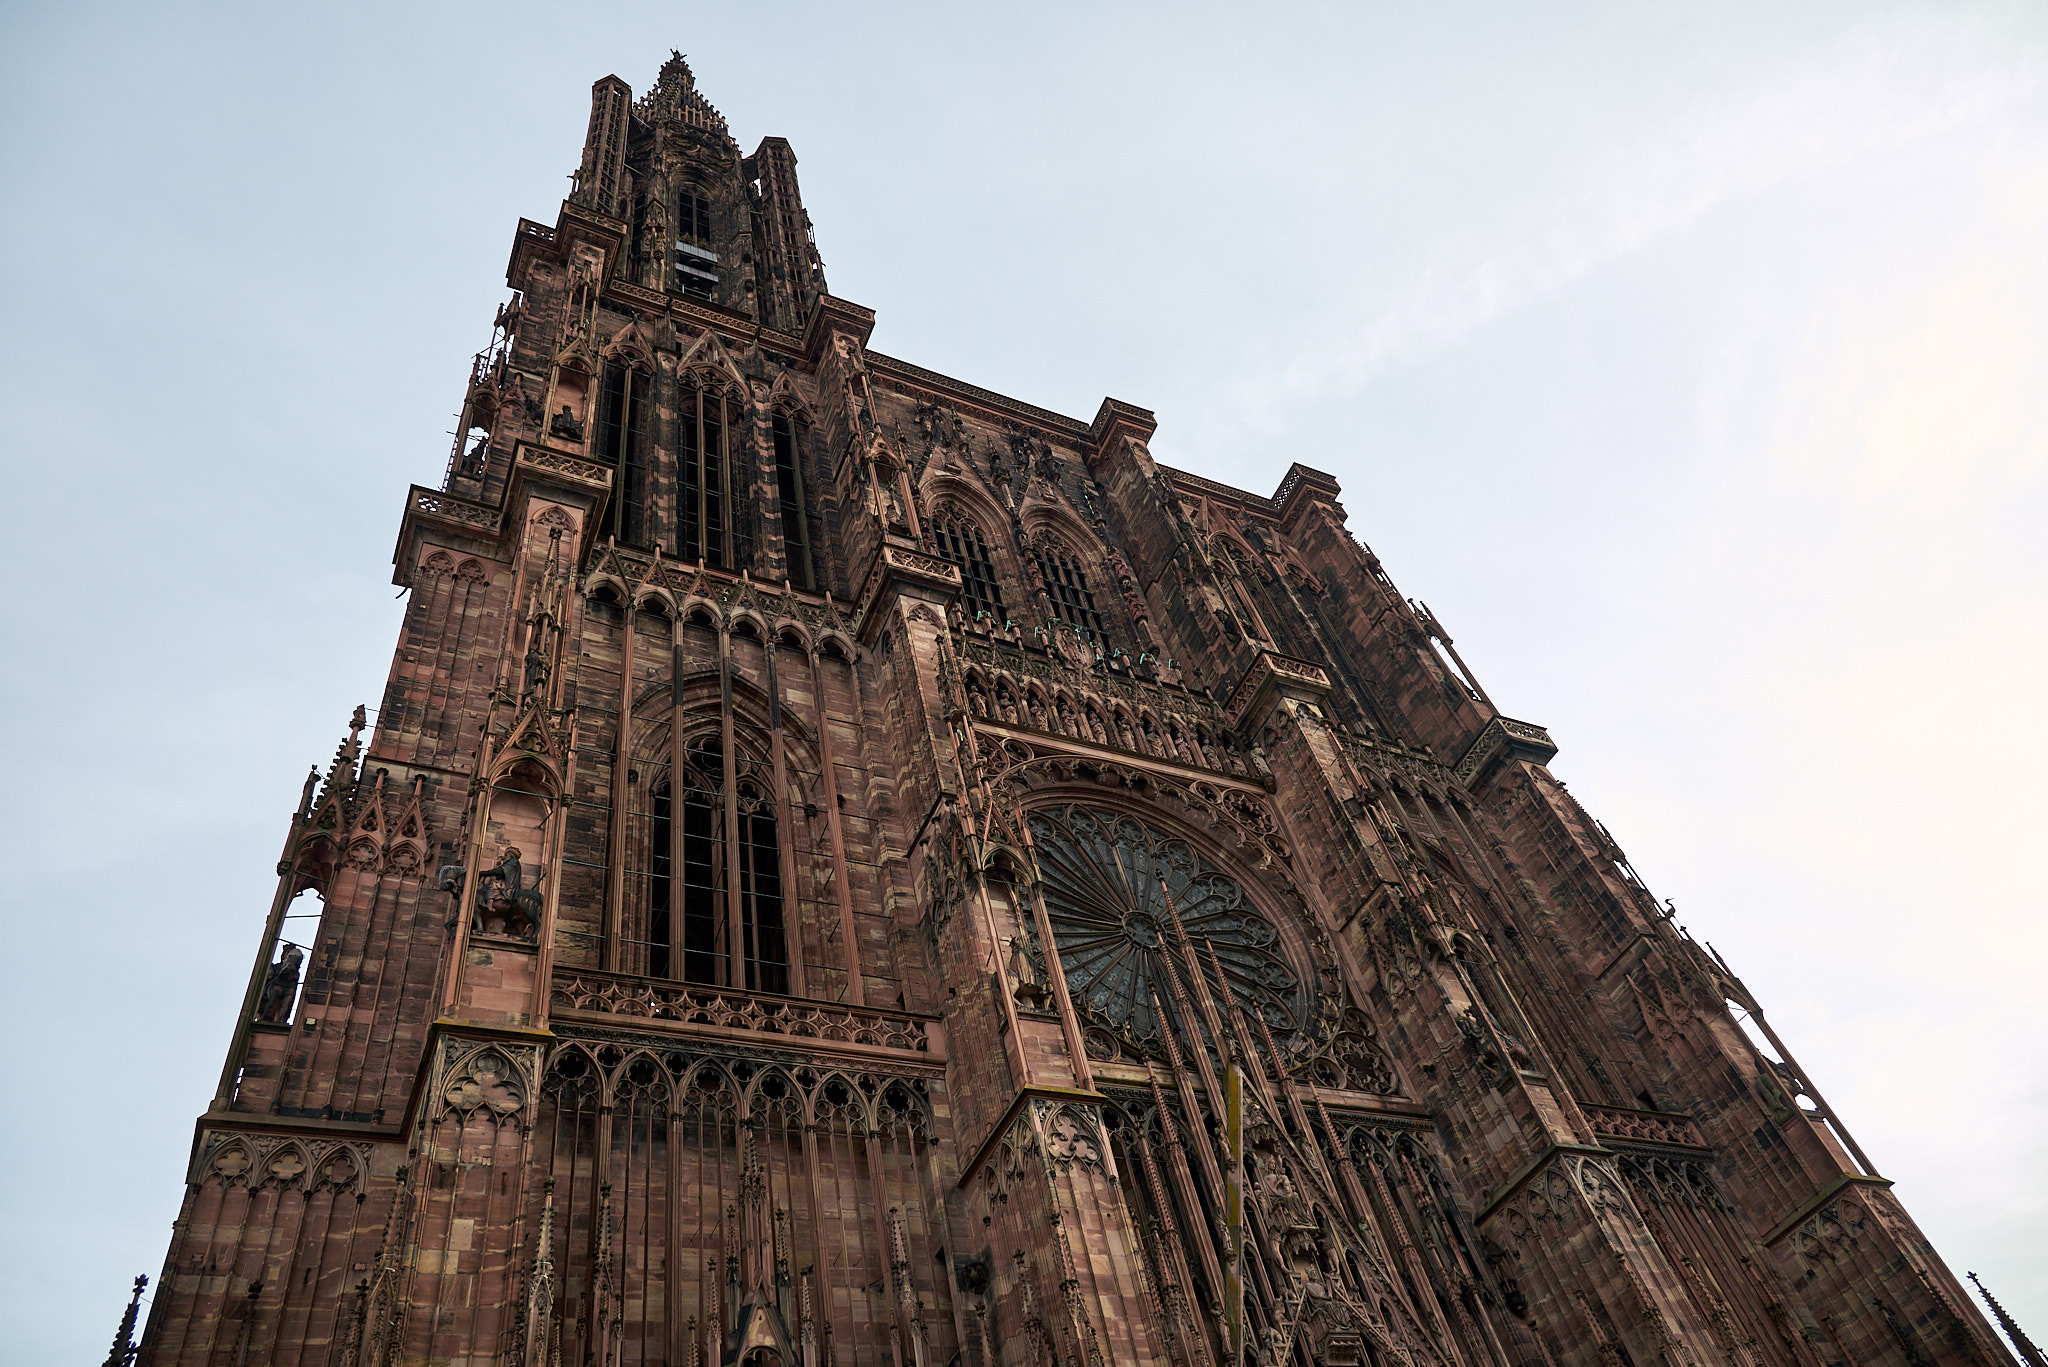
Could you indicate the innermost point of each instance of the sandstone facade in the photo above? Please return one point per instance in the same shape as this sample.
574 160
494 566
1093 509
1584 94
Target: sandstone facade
850 868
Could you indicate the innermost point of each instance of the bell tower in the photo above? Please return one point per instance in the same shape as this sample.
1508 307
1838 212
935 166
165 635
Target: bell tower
852 869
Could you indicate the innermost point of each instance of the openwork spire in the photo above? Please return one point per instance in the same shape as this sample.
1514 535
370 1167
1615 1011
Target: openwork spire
675 96
2019 1338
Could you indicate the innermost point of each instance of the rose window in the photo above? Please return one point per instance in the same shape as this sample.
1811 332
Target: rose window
1101 875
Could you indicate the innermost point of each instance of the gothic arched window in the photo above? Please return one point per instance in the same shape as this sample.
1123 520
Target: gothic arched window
788 432
622 443
695 260
1072 599
961 542
730 890
693 217
708 434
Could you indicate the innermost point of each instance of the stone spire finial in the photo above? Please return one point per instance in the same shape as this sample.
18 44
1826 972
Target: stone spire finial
125 1349
675 97
341 774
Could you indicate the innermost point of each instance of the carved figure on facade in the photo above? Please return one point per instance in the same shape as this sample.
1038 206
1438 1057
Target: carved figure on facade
280 986
504 904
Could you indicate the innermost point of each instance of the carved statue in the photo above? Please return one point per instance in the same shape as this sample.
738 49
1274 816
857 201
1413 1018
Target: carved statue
1024 983
280 984
566 425
536 668
515 907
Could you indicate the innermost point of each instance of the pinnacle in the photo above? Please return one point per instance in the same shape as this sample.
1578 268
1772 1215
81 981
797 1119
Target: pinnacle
346 755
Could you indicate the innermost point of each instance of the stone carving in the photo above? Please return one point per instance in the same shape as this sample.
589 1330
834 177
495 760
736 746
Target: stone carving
232 1159
733 1009
485 1083
509 907
280 986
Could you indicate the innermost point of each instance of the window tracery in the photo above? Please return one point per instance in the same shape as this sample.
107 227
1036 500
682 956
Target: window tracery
1112 926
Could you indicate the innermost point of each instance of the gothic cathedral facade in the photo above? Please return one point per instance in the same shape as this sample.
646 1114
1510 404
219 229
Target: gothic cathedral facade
854 870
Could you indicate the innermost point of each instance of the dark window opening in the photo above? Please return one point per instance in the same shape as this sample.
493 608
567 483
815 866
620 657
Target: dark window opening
1072 599
713 876
789 493
761 898
622 443
962 543
703 886
706 416
693 217
696 264
660 881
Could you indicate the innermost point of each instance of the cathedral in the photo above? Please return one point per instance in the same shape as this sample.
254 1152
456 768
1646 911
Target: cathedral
850 869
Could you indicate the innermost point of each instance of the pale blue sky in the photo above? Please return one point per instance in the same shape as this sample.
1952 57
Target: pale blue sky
1687 360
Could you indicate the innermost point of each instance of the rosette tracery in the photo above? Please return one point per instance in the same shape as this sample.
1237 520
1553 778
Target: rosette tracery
1112 927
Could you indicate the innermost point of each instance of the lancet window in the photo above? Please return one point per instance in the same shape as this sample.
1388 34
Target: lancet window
961 542
622 444
1072 598
708 433
715 894
696 263
693 217
788 432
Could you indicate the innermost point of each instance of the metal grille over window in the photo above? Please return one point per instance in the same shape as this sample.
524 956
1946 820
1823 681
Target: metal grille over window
961 542
1067 582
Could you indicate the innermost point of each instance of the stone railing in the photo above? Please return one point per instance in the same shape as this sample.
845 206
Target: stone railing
732 1009
568 466
1649 1127
448 508
1011 685
1504 735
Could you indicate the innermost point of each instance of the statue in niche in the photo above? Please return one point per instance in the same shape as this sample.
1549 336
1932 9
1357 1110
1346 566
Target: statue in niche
1024 981
565 425
509 906
536 667
280 985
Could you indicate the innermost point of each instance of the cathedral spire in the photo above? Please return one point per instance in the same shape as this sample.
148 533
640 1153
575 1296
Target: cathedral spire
675 96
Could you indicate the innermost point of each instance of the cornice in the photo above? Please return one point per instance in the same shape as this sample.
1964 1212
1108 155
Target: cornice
992 405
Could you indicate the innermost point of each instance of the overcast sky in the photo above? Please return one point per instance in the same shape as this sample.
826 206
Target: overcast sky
1687 360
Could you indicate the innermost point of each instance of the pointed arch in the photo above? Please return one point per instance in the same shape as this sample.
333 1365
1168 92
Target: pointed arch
962 539
1065 573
